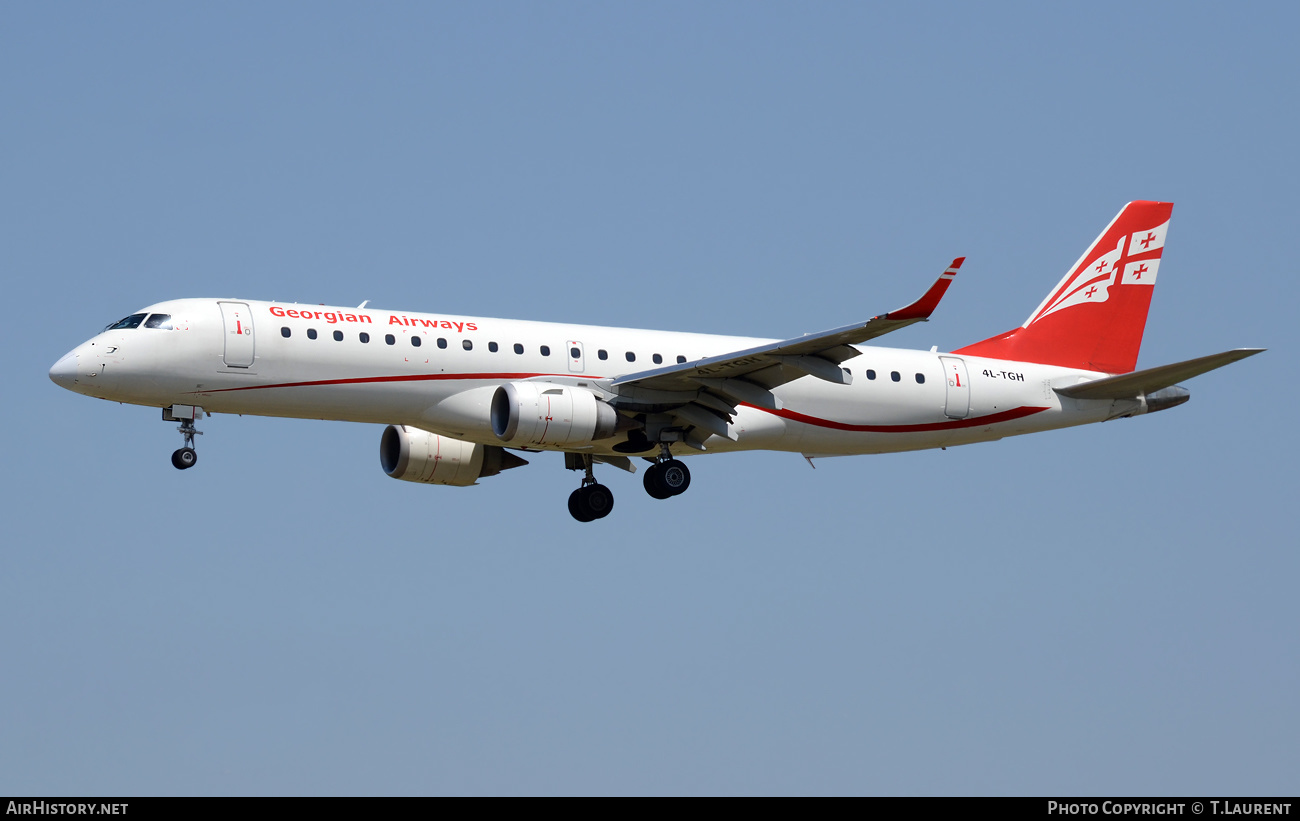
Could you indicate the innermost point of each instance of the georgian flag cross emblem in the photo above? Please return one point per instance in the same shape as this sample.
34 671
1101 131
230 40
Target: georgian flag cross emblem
1130 262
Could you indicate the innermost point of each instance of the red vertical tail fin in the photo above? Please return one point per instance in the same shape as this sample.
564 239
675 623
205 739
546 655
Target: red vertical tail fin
1094 318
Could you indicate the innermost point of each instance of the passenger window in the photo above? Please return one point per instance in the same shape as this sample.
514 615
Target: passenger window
390 339
442 343
631 357
519 348
492 346
364 337
658 360
338 336
467 344
871 374
311 333
575 353
920 379
285 332
602 354
415 342
681 360
546 350
132 321
162 322
894 375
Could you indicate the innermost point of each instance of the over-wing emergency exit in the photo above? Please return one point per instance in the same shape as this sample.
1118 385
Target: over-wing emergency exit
463 397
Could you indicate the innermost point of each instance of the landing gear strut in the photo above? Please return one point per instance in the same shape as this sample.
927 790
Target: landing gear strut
667 477
593 500
186 457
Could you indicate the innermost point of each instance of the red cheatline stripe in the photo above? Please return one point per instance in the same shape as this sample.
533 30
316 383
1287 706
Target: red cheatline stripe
367 380
951 424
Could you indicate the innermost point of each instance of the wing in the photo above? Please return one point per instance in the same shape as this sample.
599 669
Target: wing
703 394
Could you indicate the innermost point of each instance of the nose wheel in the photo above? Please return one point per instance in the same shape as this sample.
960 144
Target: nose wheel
186 457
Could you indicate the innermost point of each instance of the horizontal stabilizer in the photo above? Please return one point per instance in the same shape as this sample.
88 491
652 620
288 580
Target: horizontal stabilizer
1139 383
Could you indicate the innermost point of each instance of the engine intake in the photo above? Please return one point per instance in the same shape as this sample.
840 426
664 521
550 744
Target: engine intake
541 413
415 455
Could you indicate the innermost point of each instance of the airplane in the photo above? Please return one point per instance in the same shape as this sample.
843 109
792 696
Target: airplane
461 397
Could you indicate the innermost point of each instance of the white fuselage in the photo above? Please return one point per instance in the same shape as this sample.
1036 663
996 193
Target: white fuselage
437 373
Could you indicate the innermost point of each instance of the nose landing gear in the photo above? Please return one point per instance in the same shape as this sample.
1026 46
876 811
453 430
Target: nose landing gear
186 457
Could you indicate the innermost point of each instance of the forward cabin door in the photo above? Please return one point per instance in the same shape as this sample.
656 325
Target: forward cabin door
238 321
575 356
958 387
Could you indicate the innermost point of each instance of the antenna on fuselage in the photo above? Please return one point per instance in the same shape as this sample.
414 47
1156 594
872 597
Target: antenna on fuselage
363 304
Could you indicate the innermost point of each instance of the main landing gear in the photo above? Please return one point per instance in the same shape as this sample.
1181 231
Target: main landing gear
593 500
186 457
667 477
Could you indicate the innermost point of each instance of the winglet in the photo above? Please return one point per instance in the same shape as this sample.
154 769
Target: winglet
923 307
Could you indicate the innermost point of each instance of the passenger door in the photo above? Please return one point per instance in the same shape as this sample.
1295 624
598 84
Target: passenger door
238 323
958 405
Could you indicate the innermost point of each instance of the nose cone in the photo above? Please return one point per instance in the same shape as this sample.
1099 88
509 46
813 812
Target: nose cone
64 372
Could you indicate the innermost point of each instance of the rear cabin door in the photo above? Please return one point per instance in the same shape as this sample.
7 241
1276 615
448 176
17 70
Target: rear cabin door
238 322
958 387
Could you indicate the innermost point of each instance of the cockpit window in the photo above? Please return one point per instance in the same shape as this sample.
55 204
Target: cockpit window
132 321
161 321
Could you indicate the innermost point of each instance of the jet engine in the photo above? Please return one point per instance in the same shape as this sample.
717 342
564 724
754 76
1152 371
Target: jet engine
415 455
541 413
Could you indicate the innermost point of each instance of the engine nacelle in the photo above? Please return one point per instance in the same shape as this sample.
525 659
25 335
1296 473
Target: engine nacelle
415 455
540 413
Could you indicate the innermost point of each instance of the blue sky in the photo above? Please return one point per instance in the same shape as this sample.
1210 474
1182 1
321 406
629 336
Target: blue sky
1108 609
